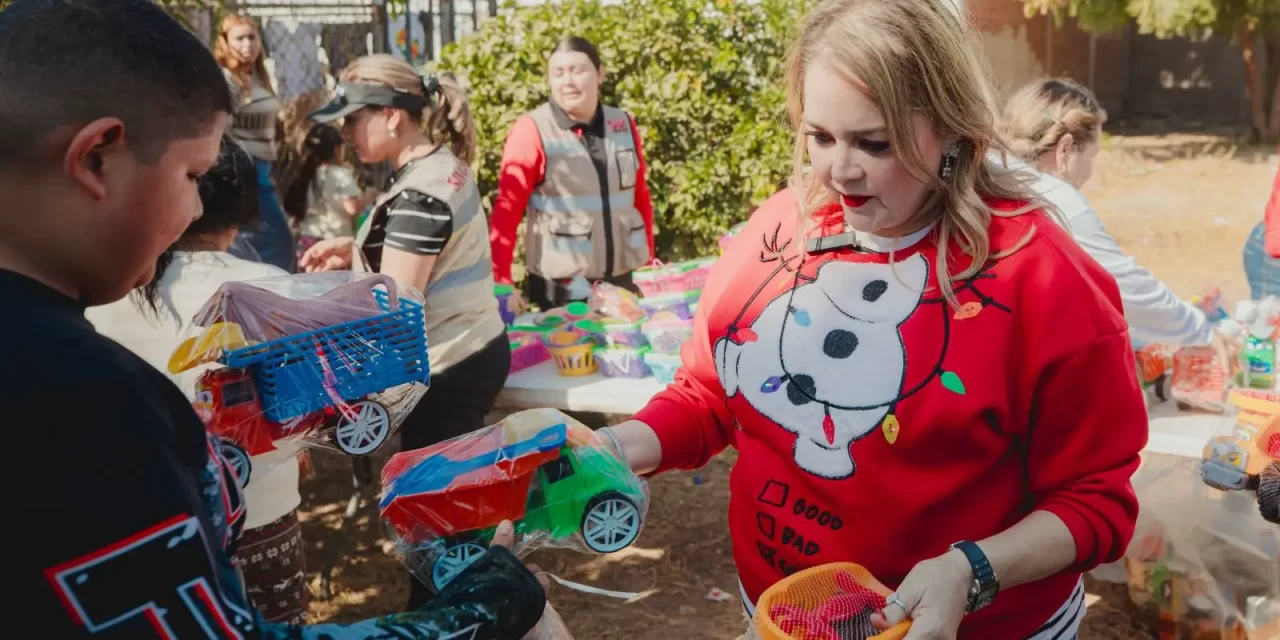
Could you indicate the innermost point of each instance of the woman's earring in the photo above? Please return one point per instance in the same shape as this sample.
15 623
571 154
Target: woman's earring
949 160
392 132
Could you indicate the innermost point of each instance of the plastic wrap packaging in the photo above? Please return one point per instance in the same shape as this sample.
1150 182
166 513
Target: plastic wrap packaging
1202 562
1245 453
547 473
1199 379
828 602
278 365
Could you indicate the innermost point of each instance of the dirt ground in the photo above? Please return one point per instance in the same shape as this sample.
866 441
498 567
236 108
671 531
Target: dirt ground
1181 205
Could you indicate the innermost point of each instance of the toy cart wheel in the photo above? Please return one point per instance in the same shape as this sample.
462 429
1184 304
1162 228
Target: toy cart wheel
453 561
611 522
1269 493
237 459
363 428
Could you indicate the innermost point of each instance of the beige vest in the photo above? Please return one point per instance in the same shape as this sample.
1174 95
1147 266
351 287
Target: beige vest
461 312
572 225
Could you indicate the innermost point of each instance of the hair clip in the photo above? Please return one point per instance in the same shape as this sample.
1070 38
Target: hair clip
430 84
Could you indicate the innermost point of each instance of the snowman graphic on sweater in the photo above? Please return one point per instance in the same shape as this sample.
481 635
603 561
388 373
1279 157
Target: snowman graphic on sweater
825 360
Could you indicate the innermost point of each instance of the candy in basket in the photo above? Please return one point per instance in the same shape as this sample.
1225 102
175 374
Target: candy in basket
540 469
289 362
828 602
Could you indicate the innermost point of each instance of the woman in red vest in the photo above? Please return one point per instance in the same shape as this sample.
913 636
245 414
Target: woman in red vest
577 168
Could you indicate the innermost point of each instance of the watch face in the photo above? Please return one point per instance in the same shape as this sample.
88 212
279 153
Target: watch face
982 596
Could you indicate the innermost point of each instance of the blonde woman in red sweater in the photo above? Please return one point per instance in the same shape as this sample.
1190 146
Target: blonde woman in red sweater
921 371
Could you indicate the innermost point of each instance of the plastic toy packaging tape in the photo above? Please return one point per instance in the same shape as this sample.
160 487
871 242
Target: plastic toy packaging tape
542 470
828 602
1202 563
277 365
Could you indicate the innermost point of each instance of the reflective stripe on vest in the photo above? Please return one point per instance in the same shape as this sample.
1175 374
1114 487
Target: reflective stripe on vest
567 232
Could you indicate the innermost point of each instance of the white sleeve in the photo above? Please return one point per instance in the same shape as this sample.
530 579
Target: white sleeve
1154 313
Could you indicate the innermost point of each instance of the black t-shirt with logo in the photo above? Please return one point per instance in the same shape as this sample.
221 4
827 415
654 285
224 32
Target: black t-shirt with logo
122 520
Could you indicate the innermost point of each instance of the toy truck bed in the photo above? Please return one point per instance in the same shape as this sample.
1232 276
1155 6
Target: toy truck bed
432 493
311 370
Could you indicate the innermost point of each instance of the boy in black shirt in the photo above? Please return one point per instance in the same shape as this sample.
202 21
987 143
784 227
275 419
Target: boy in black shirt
122 519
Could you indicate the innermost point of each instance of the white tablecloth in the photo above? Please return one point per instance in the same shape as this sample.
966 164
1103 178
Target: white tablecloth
1173 432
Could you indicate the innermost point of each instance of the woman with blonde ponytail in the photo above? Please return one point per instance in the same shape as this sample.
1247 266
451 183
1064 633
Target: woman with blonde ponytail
1053 127
921 371
427 231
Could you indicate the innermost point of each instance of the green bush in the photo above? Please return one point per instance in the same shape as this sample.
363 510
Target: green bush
701 77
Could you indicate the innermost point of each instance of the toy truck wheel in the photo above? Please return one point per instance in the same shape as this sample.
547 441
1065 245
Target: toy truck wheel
1269 493
453 561
363 428
611 522
237 459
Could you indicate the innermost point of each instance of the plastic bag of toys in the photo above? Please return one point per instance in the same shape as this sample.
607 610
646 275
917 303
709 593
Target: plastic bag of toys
540 469
281 364
1202 563
828 602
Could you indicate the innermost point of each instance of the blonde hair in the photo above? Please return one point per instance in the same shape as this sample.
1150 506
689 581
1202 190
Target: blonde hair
913 57
228 60
447 119
1040 114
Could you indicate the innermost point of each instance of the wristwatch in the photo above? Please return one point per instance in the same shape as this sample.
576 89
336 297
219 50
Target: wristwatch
985 585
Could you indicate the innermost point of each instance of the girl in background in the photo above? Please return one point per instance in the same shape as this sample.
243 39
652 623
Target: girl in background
1054 127
238 49
152 321
324 198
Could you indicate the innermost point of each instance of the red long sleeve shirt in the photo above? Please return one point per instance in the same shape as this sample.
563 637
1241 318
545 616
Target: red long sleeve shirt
1271 220
523 166
876 424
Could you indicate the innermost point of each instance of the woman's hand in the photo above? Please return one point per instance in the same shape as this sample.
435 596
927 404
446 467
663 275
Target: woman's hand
934 596
635 442
328 255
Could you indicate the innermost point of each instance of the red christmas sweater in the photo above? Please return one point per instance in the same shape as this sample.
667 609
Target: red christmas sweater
876 424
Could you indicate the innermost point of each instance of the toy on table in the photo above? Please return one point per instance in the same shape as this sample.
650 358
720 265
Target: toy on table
667 332
336 357
1249 458
527 350
663 366
572 351
614 332
680 277
678 303
1155 362
622 362
615 302
1199 378
540 469
828 602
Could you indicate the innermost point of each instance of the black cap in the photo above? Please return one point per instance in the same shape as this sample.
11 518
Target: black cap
351 97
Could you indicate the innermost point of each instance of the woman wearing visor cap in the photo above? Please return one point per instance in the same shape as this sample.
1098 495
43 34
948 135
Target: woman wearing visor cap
428 232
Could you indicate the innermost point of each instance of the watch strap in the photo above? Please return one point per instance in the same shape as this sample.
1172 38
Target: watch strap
984 575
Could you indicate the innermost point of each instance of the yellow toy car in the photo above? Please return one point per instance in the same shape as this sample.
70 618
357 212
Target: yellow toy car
1249 458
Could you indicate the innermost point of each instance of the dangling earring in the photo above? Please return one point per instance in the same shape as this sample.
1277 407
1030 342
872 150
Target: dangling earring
949 160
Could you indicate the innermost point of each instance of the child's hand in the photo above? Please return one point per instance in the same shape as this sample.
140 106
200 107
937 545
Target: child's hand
328 255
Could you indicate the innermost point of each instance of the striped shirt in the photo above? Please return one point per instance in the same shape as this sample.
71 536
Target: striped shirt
415 222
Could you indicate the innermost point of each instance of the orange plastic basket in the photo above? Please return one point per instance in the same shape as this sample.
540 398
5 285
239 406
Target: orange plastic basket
828 602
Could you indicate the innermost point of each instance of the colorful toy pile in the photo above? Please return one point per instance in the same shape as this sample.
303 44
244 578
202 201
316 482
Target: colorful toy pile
617 333
540 469
331 359
828 602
